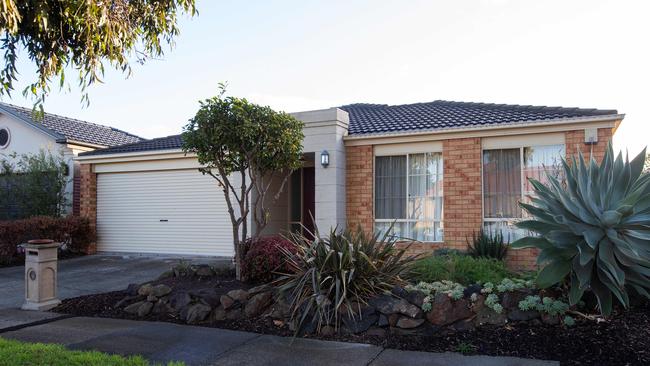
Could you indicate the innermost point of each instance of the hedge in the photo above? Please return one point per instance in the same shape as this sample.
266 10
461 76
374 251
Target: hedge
75 232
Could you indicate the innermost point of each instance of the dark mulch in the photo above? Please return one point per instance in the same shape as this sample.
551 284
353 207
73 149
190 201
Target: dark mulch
623 340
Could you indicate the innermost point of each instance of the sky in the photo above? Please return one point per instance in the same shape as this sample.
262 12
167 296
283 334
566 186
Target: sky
304 55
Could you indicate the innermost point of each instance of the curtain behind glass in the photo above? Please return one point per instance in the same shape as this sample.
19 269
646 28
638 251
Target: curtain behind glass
390 187
501 183
425 196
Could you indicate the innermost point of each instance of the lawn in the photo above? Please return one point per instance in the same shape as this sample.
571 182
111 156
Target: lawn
14 353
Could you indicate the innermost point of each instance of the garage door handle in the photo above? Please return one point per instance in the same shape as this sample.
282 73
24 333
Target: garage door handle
163 220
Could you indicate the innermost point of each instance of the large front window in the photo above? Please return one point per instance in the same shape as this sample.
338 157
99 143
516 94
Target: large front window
505 183
408 193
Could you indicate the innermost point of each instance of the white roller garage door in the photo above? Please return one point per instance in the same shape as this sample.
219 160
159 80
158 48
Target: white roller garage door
172 211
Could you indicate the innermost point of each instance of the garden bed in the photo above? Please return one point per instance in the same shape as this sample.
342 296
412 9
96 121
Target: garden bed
623 340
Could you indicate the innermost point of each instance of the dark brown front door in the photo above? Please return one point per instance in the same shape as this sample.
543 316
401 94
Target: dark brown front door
302 200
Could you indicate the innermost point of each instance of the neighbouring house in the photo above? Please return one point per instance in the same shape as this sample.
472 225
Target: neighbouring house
21 134
440 170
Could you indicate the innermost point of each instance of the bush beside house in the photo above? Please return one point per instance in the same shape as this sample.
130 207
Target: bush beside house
76 233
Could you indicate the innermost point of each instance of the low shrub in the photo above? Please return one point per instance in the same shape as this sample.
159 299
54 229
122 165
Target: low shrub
485 244
463 269
333 276
263 259
75 233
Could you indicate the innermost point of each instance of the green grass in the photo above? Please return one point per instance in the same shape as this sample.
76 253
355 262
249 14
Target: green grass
463 269
14 353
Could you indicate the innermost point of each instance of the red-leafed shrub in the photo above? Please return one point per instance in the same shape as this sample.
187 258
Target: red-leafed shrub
75 232
263 258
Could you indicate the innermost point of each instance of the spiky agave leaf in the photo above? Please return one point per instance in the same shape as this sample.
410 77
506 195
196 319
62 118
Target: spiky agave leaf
595 230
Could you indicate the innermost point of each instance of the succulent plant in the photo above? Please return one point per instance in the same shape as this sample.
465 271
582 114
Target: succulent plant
593 229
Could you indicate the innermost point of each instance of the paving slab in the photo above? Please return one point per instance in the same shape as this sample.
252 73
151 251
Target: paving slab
14 318
273 350
392 357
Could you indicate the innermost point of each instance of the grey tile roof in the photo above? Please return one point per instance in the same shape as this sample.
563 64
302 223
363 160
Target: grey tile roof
162 143
65 128
383 118
438 115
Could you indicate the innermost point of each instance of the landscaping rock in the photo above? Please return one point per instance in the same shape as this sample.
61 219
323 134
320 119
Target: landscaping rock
238 295
145 290
399 291
197 313
383 321
133 308
204 270
472 289
152 298
510 300
360 324
392 319
145 309
280 310
464 325
208 296
445 311
234 314
520 315
385 304
406 308
132 289
226 301
179 300
219 313
416 298
124 301
257 304
489 316
161 307
166 274
258 289
161 290
327 331
408 323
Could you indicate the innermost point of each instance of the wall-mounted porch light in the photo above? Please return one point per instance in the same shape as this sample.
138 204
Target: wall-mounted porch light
324 158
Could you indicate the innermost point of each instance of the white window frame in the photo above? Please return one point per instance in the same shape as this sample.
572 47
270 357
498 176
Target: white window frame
522 178
374 183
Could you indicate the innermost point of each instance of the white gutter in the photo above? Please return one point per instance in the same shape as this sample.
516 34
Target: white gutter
530 123
98 158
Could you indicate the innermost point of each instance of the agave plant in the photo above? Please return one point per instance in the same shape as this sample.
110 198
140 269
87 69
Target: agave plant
334 276
594 231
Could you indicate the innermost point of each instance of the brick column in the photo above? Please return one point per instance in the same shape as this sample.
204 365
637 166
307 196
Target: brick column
88 199
358 182
463 212
575 142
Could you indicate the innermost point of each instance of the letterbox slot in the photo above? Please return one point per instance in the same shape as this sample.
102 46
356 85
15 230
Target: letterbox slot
32 252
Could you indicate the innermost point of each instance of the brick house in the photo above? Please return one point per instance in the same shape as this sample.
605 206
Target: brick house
438 172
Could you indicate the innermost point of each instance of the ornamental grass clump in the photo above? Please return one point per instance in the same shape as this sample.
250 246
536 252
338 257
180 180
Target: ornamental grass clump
486 244
594 230
335 275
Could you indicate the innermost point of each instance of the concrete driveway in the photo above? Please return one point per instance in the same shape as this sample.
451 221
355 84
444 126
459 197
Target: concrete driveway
88 275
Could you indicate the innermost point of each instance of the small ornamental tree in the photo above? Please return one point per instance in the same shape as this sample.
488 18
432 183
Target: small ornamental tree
246 148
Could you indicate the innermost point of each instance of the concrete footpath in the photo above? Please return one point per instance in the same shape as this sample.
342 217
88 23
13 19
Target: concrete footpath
162 342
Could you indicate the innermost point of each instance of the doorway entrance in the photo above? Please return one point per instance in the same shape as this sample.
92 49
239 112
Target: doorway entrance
302 198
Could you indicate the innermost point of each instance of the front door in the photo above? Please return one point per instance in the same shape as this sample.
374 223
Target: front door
302 201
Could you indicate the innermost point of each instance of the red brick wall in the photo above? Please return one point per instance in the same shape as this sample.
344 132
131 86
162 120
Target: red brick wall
88 198
359 183
575 142
463 211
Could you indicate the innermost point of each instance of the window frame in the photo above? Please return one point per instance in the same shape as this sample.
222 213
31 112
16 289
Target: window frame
511 220
436 223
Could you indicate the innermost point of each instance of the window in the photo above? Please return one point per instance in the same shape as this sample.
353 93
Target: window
4 138
505 183
408 191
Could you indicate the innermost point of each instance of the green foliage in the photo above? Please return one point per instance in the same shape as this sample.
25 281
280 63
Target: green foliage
465 348
14 353
545 305
459 268
254 144
487 245
492 302
329 275
84 35
569 321
452 289
34 185
596 231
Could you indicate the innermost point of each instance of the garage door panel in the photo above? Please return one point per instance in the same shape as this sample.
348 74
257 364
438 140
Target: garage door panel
130 207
